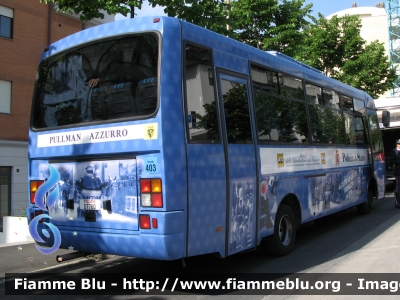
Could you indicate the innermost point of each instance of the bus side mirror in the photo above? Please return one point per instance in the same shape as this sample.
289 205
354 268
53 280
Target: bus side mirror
386 118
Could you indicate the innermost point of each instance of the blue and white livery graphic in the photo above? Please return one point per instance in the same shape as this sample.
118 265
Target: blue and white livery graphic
49 185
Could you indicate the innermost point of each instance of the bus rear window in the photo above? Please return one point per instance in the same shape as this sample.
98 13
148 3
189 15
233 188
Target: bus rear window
107 80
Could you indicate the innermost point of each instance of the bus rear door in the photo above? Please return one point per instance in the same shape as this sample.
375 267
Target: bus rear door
240 160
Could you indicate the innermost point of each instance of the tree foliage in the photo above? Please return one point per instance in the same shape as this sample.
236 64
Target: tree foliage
90 9
270 24
336 48
371 71
333 46
329 43
211 14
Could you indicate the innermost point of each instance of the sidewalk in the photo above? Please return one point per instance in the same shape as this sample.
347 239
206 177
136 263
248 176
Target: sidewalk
23 257
15 229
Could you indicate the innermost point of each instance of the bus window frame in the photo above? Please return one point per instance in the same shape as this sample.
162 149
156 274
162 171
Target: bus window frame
185 100
323 106
159 37
362 113
278 95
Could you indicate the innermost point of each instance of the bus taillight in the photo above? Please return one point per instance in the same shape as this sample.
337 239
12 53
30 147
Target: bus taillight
37 213
144 221
145 185
34 185
151 192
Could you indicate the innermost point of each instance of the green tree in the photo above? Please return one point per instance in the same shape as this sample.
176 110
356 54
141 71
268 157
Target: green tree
329 43
371 72
90 9
336 48
270 24
211 14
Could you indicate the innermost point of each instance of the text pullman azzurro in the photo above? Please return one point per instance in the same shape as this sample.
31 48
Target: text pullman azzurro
97 135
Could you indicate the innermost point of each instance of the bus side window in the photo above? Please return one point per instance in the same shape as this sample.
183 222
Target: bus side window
279 106
355 129
377 146
325 116
354 113
201 108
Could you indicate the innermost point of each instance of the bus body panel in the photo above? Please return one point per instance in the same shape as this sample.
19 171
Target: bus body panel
154 246
163 243
242 198
206 199
326 180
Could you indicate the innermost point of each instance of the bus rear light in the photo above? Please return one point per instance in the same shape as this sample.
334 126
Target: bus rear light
156 185
151 192
156 200
145 185
154 223
144 221
38 213
32 198
145 200
34 185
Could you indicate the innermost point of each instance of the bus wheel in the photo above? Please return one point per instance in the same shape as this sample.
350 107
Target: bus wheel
282 241
366 207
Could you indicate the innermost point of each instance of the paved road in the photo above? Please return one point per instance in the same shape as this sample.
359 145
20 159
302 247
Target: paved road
342 243
25 258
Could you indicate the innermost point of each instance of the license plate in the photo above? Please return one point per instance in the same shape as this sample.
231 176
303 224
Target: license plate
90 204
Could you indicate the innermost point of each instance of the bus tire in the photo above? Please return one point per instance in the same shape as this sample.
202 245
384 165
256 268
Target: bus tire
366 207
282 241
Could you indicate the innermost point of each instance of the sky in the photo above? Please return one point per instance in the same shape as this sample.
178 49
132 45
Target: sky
323 6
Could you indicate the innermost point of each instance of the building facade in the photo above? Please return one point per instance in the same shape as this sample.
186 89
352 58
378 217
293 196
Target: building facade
26 28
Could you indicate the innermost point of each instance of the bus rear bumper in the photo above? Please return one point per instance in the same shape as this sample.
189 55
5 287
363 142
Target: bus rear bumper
163 247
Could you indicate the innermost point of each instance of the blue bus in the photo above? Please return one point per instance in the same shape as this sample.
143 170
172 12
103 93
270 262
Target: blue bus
155 138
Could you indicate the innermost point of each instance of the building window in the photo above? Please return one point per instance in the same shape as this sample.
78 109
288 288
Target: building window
5 96
6 22
5 194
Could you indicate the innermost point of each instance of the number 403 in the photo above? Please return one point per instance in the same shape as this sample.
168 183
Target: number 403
151 168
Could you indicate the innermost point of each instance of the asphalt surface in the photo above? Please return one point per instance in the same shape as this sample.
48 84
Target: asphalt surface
25 258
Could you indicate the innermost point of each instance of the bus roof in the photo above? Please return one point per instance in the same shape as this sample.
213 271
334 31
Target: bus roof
219 43
272 59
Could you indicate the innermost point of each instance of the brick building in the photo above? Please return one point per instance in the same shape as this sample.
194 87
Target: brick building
26 28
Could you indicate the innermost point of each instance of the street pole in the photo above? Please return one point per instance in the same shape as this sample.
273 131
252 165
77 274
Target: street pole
132 11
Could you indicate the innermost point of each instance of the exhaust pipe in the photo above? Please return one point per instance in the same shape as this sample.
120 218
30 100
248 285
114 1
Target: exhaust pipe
69 256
